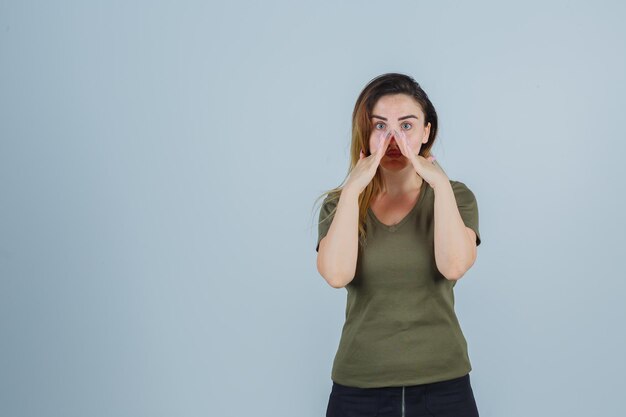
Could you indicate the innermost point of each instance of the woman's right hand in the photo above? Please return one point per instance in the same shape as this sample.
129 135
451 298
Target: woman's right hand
366 166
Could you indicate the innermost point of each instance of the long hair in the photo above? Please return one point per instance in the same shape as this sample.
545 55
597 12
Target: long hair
386 84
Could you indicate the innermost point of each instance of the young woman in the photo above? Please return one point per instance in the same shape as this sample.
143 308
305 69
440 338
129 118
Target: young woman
398 235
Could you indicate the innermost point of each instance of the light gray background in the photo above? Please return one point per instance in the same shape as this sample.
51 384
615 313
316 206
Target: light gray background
159 164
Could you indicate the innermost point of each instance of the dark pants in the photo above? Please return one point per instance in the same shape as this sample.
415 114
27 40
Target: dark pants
451 398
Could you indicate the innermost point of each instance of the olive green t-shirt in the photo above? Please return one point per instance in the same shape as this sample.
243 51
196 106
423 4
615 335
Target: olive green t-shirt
400 325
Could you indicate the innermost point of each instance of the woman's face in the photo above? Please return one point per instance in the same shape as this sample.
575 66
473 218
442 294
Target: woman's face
398 112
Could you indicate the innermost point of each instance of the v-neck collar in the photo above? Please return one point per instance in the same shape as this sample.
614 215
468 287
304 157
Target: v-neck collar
394 227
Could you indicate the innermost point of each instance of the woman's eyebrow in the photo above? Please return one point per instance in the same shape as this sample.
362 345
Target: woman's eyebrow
399 118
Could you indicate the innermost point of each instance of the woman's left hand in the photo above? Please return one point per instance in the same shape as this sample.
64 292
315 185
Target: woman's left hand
427 168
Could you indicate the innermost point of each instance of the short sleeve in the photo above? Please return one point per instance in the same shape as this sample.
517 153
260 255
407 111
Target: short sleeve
468 207
325 218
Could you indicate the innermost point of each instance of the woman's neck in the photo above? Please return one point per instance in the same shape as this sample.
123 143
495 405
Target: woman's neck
397 183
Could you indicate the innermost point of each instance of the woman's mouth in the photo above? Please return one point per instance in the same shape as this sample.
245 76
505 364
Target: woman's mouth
394 153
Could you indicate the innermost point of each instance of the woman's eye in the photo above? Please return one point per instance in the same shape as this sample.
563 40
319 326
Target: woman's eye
407 125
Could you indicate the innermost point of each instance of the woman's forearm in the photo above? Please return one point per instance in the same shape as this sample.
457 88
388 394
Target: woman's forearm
338 251
454 250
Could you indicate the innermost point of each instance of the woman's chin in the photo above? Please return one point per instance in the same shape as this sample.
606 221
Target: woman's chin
394 164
